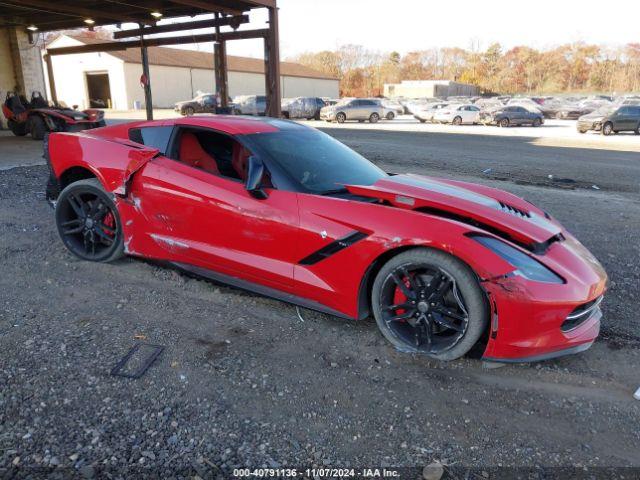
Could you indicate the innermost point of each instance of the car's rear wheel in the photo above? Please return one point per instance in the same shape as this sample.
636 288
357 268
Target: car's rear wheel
426 301
504 122
607 129
38 127
457 121
18 129
341 117
88 222
374 117
537 122
391 116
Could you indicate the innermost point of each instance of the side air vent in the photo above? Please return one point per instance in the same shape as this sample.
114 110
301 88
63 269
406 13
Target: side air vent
514 211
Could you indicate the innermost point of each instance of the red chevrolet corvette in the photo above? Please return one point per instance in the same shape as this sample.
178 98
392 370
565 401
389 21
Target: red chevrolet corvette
287 211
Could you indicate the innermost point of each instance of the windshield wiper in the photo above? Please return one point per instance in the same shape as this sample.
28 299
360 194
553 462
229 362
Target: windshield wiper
334 191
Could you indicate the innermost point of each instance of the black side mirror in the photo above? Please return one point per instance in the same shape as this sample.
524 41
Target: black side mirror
255 172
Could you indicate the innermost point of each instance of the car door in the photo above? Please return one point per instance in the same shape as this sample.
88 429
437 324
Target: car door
623 119
354 110
197 217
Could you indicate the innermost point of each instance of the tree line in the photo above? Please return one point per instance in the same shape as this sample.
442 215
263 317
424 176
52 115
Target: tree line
575 67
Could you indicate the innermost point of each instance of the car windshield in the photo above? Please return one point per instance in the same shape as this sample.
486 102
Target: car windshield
318 162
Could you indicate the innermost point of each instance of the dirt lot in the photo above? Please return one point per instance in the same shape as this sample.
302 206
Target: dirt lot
243 382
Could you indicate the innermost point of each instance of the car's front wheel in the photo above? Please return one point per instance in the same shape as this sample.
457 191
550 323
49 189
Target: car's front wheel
88 222
341 117
504 123
188 111
607 129
427 301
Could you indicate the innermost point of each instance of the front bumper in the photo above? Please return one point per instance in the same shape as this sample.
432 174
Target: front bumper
583 126
328 116
533 321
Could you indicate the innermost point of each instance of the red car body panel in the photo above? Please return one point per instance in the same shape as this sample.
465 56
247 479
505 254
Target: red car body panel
173 212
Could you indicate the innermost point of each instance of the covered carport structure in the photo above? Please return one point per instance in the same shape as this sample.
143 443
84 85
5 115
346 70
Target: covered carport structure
44 16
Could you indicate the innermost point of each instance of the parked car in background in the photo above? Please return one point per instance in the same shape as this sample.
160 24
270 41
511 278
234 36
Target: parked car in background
360 109
458 114
394 108
426 112
250 105
573 112
303 107
203 103
512 115
610 121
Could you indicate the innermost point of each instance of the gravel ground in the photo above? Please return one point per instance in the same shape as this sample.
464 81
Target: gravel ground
243 382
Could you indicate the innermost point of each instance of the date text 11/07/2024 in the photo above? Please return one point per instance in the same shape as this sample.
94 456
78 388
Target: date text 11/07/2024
316 473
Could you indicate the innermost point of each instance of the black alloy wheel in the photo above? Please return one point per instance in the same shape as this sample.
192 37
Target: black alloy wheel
88 222
428 302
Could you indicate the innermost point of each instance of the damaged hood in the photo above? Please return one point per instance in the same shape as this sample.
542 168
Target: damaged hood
486 208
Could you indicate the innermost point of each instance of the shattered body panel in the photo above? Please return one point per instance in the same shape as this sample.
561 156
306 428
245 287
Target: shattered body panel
278 245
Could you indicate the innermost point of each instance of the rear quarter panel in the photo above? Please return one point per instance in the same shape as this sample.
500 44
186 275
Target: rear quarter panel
107 158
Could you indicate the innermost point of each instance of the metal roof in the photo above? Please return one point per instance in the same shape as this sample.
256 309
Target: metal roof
49 15
175 57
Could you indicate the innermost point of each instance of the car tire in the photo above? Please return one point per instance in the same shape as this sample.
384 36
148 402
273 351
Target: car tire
188 111
582 131
18 129
462 296
537 122
341 117
88 222
457 121
637 130
38 127
374 118
504 122
391 116
607 129
422 120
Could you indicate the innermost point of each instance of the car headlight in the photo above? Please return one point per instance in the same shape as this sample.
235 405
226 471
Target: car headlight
525 266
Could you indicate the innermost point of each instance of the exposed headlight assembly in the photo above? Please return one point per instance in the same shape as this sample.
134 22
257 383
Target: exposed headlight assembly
526 266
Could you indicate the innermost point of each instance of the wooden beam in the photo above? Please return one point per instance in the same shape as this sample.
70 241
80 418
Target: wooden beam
157 42
178 27
272 66
52 82
208 6
78 11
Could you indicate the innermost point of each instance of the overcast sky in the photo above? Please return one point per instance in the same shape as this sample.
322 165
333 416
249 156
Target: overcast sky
314 25
405 25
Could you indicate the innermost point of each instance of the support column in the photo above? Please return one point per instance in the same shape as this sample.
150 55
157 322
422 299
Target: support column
272 65
52 81
220 67
148 101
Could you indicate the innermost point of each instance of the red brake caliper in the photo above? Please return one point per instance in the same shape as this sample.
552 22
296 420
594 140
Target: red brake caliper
399 297
110 222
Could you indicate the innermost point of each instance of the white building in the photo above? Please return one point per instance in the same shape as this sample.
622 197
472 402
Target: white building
429 88
175 75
